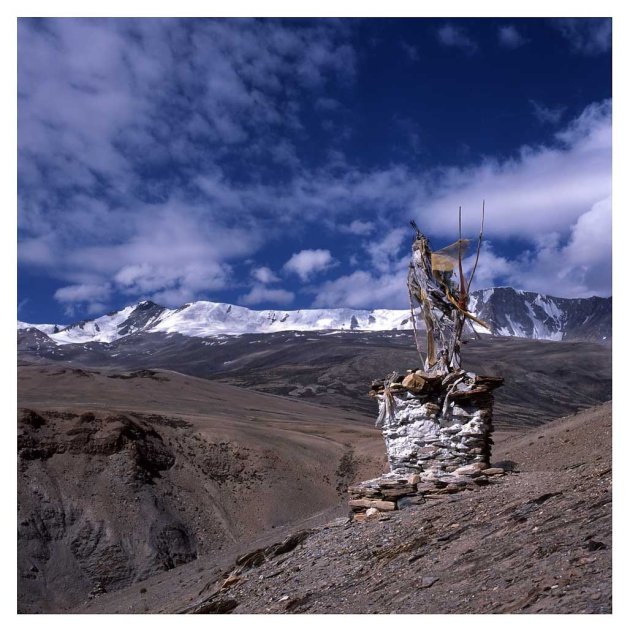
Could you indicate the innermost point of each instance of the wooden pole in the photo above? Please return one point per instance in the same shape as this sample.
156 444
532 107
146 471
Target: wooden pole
483 216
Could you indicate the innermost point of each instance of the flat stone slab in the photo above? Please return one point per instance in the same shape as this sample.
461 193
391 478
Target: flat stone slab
381 505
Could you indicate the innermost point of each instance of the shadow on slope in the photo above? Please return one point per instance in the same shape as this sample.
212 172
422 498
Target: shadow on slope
122 476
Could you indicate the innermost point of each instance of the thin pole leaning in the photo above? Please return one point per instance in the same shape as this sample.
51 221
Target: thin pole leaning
462 278
483 216
415 328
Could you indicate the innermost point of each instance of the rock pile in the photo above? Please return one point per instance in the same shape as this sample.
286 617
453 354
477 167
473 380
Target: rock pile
437 428
393 491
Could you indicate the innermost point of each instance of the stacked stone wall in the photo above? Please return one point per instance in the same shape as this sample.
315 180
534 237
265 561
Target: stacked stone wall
438 436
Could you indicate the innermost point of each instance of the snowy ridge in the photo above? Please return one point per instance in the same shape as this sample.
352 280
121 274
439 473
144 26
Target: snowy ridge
103 329
511 312
204 319
47 329
508 312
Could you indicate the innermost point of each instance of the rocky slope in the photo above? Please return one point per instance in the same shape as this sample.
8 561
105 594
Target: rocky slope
126 472
543 379
538 540
124 475
530 315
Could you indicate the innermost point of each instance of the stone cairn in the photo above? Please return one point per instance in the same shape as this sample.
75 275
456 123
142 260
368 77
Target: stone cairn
436 420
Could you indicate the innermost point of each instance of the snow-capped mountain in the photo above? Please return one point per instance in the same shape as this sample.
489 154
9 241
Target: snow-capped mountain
508 312
47 329
511 312
203 319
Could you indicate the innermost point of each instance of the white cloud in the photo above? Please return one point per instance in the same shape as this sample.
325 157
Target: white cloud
93 308
261 294
171 252
510 37
411 51
384 251
364 290
456 37
264 275
543 190
218 190
591 236
492 270
100 118
326 103
555 198
581 267
547 115
185 250
183 281
99 121
92 298
82 293
283 152
586 36
357 227
307 263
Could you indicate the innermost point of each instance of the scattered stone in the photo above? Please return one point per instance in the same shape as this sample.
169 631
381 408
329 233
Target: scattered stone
493 471
427 582
409 501
215 606
32 418
97 590
593 545
481 480
472 470
230 581
414 381
381 505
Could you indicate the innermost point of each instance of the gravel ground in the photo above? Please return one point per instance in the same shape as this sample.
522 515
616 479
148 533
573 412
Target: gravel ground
538 540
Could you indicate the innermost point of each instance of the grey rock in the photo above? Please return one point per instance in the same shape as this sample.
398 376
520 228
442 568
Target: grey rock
494 471
427 582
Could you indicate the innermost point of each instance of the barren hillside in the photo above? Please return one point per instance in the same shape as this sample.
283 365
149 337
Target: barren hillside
123 475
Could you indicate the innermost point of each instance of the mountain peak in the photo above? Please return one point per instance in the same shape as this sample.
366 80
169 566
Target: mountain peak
508 311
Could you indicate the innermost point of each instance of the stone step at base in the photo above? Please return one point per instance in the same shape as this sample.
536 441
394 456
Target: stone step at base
370 495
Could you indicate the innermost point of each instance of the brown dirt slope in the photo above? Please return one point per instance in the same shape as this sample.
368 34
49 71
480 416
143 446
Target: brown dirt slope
122 476
536 541
543 379
139 490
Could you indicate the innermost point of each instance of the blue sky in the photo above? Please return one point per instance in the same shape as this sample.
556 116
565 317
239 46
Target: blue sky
277 163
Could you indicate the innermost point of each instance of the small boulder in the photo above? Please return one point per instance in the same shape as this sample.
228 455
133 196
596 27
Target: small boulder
414 381
493 471
381 505
473 469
